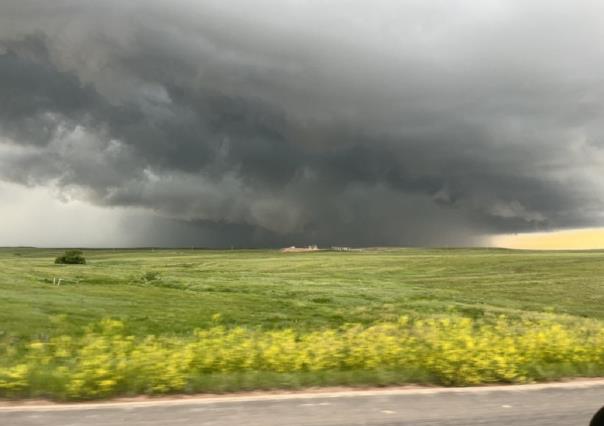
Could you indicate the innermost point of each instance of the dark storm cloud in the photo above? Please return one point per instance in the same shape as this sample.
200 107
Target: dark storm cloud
416 122
32 94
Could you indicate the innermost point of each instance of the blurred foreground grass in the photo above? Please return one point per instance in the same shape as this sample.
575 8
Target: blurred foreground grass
106 362
285 319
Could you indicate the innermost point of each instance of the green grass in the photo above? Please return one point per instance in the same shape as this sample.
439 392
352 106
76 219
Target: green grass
171 293
175 291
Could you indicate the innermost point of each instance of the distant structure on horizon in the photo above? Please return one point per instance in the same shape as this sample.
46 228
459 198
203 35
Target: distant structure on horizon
299 249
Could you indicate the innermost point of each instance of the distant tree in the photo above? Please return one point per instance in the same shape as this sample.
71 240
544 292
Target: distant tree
71 257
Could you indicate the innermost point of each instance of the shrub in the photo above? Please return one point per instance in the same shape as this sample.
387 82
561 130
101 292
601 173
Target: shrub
151 276
71 257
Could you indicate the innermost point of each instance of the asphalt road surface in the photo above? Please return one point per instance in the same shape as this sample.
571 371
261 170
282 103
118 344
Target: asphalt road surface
569 404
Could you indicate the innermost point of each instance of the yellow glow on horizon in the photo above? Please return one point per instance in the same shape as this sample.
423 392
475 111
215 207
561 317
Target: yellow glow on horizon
576 239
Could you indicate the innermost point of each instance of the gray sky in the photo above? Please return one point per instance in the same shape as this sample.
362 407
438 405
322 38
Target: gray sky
240 123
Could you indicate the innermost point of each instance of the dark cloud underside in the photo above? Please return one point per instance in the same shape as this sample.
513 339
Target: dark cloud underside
269 123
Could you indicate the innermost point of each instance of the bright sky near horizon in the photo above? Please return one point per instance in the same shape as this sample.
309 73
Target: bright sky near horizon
573 239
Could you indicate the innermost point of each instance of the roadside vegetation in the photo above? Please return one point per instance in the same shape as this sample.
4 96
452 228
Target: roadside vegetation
451 351
154 322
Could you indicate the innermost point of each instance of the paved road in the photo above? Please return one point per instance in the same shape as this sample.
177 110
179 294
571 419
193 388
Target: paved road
534 405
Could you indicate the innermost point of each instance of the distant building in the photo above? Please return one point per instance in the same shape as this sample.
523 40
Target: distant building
313 247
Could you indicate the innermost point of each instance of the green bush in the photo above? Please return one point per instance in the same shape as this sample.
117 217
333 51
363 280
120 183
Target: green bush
150 277
71 257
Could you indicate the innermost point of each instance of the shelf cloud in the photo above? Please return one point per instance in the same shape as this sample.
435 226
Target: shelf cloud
265 123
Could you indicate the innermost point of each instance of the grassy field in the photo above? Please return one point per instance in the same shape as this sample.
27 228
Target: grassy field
171 293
